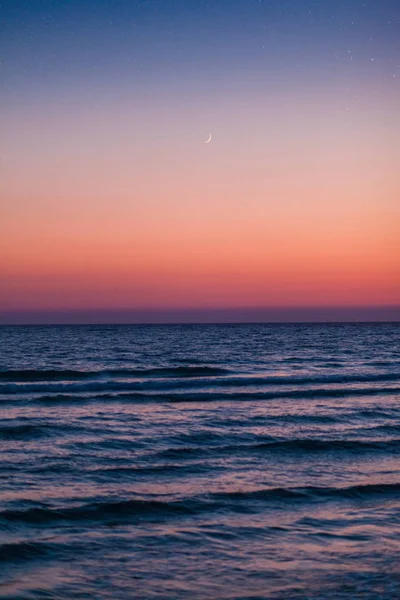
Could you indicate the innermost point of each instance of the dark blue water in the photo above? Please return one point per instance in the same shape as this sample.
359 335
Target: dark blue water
201 462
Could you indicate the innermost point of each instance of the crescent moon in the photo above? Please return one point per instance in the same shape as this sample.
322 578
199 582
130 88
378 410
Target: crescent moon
209 139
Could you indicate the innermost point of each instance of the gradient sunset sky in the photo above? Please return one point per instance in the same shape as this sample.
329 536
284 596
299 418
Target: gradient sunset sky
111 198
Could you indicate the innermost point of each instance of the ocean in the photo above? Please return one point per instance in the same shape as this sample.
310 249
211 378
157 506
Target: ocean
200 462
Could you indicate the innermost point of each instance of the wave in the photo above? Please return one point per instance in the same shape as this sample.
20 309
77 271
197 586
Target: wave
296 446
18 431
374 413
388 428
120 394
102 384
162 469
317 445
21 431
235 501
15 551
95 511
354 491
27 375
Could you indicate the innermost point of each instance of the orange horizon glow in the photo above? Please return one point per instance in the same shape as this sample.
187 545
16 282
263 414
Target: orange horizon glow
293 207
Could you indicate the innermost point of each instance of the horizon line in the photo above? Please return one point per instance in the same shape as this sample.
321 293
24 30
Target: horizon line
211 316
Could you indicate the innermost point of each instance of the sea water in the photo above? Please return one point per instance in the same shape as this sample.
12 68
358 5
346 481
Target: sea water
200 462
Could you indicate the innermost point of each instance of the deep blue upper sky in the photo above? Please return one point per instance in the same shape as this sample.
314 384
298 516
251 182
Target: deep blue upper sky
47 42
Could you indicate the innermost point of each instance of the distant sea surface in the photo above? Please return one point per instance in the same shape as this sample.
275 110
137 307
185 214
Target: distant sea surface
197 462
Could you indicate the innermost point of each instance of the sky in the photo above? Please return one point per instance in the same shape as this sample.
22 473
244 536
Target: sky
112 200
